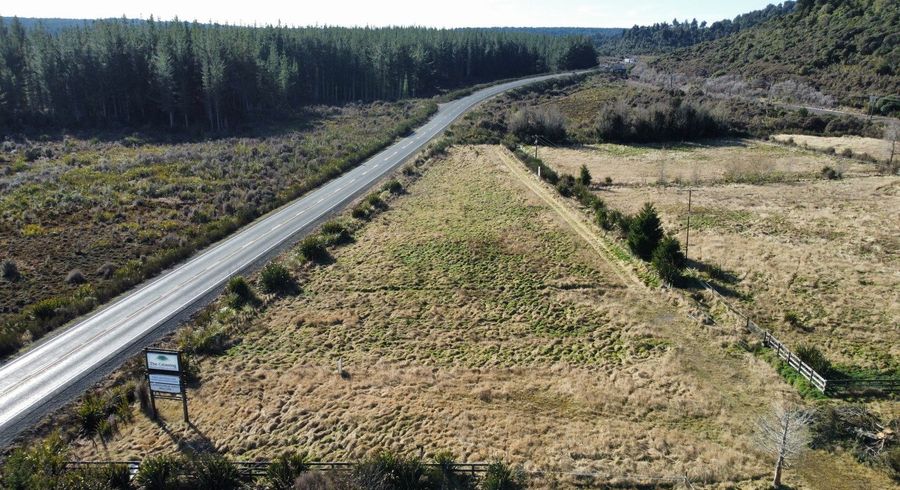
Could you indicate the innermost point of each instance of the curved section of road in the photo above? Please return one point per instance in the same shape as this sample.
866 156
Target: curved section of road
35 382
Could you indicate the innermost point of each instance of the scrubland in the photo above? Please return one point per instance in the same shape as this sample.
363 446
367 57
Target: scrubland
82 219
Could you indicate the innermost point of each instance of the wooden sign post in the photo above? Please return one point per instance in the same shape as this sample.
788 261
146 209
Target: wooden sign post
165 377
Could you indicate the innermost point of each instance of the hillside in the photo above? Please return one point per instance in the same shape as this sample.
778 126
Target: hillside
663 37
848 49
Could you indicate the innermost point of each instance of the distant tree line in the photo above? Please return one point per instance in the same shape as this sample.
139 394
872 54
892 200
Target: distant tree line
179 74
664 36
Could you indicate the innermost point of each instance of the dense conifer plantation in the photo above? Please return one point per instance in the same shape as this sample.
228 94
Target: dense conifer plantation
180 74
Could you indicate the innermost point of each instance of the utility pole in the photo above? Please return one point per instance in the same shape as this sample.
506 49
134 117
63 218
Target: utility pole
687 238
535 146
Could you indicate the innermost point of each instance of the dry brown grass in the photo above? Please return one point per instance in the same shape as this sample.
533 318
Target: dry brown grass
694 163
471 318
827 251
878 149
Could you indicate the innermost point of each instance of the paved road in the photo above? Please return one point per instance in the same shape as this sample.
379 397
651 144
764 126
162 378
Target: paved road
64 365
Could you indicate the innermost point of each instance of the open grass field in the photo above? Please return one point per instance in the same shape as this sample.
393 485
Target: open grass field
471 317
80 216
816 261
699 163
878 149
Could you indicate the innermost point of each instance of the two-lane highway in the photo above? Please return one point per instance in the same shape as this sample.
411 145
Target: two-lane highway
59 367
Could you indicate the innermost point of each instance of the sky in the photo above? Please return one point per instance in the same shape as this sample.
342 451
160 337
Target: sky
455 13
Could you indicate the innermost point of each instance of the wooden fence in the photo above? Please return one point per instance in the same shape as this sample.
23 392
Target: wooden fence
259 468
826 386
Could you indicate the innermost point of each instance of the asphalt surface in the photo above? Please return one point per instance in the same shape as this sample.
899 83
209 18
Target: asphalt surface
61 367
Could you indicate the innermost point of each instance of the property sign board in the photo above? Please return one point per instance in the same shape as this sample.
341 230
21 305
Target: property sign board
165 383
165 377
162 361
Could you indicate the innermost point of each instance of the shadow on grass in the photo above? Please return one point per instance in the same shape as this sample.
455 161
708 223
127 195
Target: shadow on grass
721 280
195 442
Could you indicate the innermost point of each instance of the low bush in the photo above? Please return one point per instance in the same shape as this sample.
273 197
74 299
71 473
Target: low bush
161 473
500 476
312 248
285 469
214 472
393 186
335 233
208 340
565 185
536 165
239 291
446 477
275 278
9 270
95 477
91 413
812 356
390 470
831 173
35 466
10 339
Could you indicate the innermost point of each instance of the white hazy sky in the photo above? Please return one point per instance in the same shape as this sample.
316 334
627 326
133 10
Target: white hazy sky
455 13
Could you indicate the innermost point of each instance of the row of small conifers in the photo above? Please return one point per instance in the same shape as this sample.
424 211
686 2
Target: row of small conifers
642 232
45 466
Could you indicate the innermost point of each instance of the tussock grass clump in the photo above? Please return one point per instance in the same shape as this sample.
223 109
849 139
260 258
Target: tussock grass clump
313 249
369 206
10 339
274 278
811 355
9 270
91 413
393 186
501 476
210 340
286 468
162 472
214 472
239 292
336 233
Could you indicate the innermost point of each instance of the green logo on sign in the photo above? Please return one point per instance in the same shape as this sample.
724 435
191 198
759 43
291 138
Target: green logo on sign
162 357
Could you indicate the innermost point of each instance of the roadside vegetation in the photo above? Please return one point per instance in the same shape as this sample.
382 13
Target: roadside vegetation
86 220
45 466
